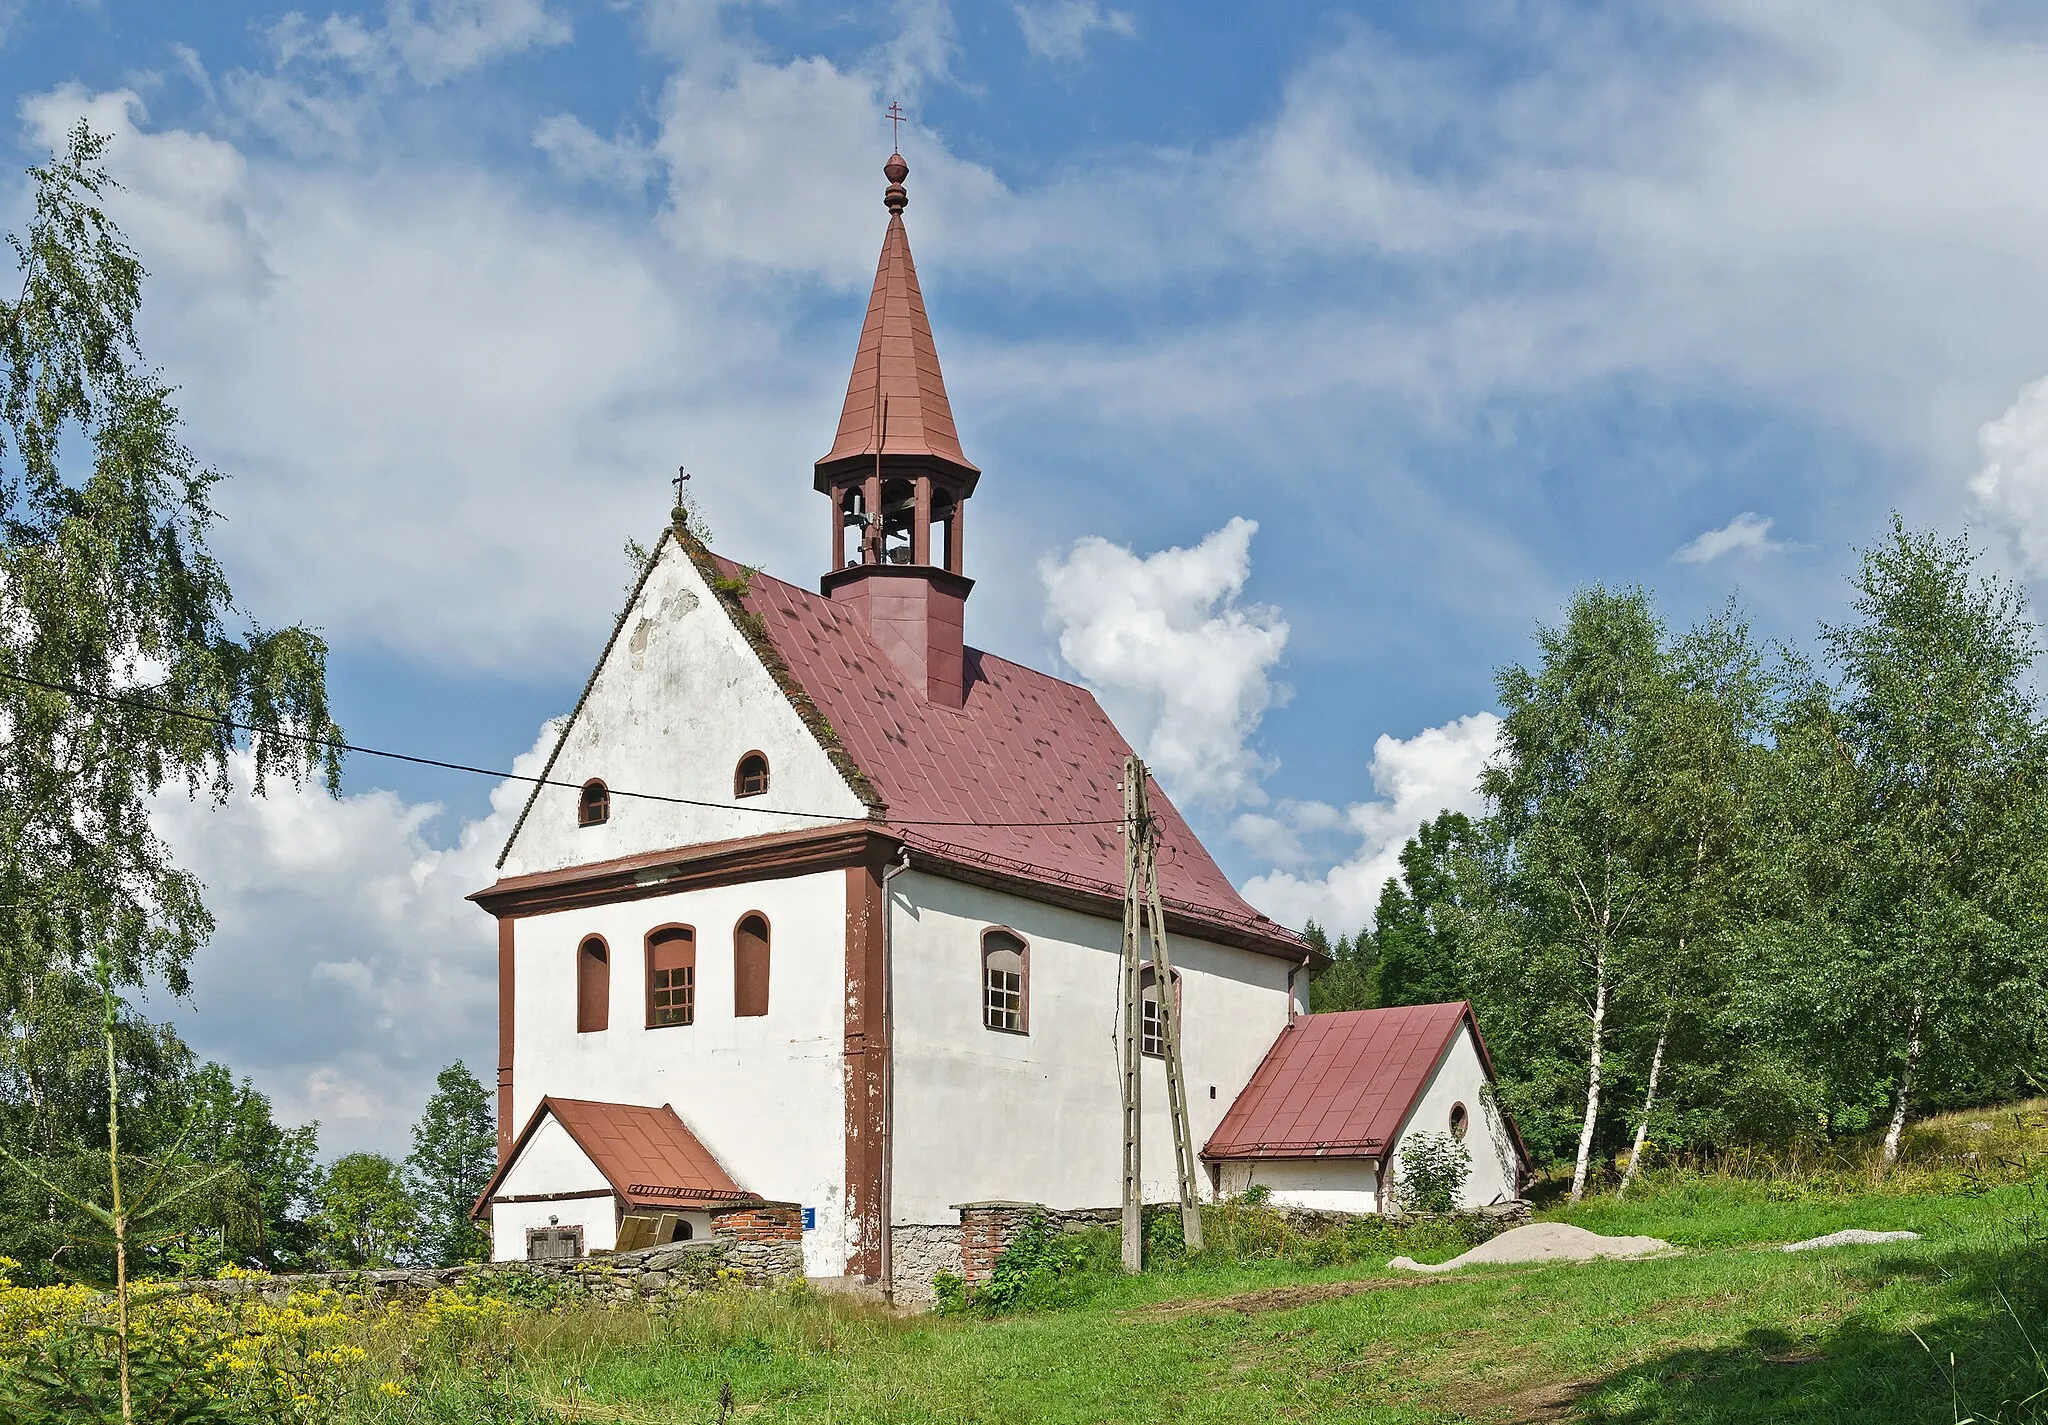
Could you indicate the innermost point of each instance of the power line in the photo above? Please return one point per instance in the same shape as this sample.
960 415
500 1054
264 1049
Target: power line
214 720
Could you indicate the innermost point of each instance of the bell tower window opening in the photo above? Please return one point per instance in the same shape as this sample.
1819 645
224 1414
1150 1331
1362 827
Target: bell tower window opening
899 518
750 778
849 524
943 509
671 976
594 805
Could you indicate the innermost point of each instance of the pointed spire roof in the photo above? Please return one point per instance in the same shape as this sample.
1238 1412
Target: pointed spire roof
896 400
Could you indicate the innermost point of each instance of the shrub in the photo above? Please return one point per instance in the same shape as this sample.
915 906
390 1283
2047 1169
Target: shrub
1044 1266
950 1289
1434 1167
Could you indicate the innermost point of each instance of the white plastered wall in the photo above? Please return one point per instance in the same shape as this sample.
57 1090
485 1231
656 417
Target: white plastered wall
1331 1184
1461 1078
982 1114
765 1094
678 701
552 1163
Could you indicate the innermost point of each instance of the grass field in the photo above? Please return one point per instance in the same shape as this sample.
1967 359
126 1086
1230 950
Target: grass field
1729 1330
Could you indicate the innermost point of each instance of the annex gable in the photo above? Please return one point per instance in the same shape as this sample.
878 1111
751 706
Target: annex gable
679 696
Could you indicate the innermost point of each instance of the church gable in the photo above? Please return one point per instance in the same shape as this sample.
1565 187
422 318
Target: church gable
679 701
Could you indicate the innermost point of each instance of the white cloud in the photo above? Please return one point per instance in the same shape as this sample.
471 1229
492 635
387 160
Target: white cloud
2012 485
1436 770
347 968
580 152
430 44
1183 667
1747 534
443 405
1059 29
187 191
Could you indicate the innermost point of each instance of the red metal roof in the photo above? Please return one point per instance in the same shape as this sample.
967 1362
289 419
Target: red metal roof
648 1155
897 363
1024 747
1340 1085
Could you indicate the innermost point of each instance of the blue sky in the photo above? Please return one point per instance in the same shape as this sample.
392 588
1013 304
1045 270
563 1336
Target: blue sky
1461 307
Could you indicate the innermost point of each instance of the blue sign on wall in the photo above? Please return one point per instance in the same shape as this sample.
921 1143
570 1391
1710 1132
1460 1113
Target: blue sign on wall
810 1219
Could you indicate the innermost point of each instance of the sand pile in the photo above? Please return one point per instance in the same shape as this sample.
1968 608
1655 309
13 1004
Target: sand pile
1543 1242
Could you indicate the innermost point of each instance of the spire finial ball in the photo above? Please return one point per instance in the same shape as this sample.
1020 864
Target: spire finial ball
895 198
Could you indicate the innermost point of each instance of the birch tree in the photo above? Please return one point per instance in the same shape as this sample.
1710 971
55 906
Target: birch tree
1701 753
1924 855
1563 790
124 662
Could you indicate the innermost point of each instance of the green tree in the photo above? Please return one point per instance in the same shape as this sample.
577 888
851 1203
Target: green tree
1572 746
123 664
233 1126
1352 981
1694 779
366 1217
1420 927
1922 808
454 1153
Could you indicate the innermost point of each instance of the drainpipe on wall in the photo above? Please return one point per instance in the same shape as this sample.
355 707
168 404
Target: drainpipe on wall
888 1213
1291 973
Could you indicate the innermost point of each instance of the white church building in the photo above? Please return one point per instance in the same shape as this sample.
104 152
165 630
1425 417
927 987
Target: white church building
819 911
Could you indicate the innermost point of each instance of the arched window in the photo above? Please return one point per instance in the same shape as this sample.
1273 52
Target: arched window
1151 1024
671 976
594 806
750 966
750 778
1460 1120
593 986
1005 982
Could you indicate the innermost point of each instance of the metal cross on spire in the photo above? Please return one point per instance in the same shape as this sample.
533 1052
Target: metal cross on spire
895 116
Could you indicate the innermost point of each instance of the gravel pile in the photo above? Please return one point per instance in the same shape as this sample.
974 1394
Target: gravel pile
1543 1242
1853 1237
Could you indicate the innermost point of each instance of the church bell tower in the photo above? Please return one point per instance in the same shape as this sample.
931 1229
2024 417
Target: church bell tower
899 482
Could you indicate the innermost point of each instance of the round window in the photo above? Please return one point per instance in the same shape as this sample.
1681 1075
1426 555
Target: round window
1460 1120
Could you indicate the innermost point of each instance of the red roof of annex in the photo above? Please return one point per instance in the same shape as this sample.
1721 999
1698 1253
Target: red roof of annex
1341 1085
649 1156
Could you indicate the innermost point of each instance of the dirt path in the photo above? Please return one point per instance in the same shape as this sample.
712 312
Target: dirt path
1275 1298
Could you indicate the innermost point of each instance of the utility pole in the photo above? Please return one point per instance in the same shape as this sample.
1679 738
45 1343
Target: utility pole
1128 1025
1143 916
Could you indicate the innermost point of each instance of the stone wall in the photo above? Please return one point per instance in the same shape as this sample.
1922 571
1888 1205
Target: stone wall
652 1274
986 1229
920 1251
